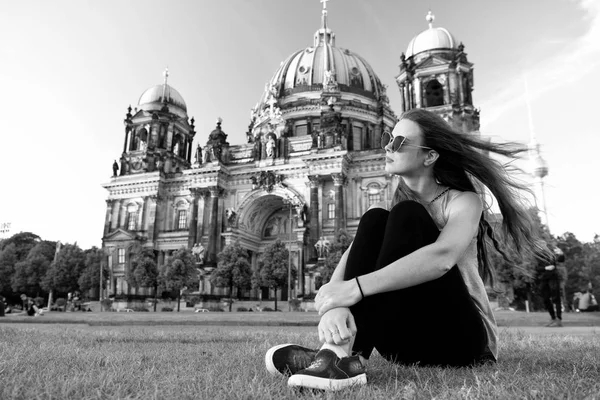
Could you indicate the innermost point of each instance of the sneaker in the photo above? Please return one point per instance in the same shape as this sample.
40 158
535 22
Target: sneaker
329 372
558 323
287 359
551 323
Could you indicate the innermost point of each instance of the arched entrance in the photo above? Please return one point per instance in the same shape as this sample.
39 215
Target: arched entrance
265 216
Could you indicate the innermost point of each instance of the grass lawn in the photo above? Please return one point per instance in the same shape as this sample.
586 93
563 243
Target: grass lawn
77 361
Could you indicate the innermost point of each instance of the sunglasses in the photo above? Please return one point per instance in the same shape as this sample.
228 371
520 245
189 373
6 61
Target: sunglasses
397 142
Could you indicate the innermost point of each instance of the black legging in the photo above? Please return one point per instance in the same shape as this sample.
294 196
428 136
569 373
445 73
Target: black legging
434 323
550 289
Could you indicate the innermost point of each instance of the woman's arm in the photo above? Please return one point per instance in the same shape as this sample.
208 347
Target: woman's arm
432 261
425 264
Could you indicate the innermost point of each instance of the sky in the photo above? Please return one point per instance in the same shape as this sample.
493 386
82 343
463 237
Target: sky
70 69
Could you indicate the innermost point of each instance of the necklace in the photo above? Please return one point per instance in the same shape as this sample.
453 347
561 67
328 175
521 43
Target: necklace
439 195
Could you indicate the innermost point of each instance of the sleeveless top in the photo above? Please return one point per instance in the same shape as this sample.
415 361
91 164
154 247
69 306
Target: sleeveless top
468 267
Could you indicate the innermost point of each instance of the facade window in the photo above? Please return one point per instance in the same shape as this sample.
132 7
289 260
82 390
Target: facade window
373 194
131 220
331 210
434 94
182 219
121 256
374 198
301 130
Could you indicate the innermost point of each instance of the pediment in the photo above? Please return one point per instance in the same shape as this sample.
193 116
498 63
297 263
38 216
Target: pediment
432 61
120 235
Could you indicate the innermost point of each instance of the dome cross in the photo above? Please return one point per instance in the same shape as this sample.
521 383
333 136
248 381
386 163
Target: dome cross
430 18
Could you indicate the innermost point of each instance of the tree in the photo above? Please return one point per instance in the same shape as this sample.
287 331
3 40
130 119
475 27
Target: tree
143 271
341 242
64 272
90 275
178 272
23 241
582 261
233 269
8 259
518 273
30 272
272 268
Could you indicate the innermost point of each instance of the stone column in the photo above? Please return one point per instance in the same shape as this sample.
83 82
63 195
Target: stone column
158 215
122 214
144 214
315 182
300 261
447 89
418 92
189 150
107 220
127 130
213 232
402 107
202 207
196 195
114 220
461 89
339 180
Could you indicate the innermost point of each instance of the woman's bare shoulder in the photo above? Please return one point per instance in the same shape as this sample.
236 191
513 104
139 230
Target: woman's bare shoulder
466 199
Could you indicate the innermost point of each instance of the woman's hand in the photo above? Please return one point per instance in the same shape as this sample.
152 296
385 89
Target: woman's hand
337 326
337 294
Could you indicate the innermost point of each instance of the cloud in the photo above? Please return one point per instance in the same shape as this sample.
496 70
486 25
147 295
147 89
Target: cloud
580 58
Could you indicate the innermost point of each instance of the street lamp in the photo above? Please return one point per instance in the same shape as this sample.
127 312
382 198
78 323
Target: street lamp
291 202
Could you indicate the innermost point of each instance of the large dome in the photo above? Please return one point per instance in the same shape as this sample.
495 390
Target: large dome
306 70
431 39
152 99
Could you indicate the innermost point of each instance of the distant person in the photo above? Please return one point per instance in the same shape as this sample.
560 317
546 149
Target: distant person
428 250
550 287
33 310
587 302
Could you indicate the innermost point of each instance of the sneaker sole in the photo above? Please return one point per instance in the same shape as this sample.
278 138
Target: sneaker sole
314 382
269 359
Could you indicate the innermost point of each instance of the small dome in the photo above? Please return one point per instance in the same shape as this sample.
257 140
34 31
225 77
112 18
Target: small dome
153 97
431 39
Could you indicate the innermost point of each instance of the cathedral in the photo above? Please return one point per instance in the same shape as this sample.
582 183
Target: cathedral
312 163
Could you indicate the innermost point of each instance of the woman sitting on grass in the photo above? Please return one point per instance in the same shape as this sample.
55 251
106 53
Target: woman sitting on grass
411 284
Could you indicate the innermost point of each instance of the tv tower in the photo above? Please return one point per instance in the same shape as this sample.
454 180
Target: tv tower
538 166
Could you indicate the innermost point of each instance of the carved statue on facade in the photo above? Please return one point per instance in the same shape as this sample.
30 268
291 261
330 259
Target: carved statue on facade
322 247
270 147
206 155
329 81
198 252
115 168
266 180
198 155
230 215
257 148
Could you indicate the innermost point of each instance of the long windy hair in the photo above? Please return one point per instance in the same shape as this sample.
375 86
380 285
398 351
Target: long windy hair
464 164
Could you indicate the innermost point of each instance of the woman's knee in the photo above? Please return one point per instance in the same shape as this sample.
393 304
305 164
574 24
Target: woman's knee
375 218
